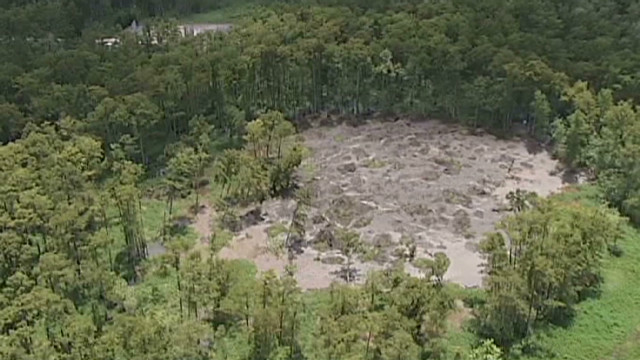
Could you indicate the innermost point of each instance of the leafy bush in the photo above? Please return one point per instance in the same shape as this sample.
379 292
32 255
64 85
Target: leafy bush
615 250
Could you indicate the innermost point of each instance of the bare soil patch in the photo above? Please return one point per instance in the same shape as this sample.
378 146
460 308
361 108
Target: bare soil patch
433 182
315 270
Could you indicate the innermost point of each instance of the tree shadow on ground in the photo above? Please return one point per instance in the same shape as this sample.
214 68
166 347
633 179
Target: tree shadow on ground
531 347
252 217
571 176
296 244
534 146
562 316
122 265
179 227
181 221
349 275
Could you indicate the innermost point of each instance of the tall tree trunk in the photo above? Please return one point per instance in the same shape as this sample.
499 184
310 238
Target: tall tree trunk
177 267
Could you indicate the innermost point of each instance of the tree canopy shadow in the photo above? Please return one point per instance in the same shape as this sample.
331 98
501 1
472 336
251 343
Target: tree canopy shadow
348 274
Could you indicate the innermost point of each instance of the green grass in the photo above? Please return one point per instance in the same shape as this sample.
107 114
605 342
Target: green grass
459 338
459 343
153 215
607 327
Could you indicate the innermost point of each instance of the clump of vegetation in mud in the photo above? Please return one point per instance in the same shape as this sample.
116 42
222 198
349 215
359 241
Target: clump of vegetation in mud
265 166
456 197
462 223
344 210
450 165
374 163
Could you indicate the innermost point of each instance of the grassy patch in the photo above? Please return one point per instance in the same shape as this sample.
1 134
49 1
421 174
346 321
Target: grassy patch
607 327
276 230
459 339
221 239
153 212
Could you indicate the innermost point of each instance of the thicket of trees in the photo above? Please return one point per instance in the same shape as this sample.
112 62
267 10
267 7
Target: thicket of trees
83 123
603 136
487 64
72 245
540 263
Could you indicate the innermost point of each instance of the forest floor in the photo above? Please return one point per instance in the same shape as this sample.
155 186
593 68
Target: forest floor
433 182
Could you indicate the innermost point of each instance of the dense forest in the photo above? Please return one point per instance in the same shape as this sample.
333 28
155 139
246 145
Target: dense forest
89 131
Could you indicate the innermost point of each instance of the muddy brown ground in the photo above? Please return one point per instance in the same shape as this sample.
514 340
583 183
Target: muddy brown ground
428 181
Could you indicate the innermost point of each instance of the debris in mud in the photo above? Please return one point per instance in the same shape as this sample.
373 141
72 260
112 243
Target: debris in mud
362 221
477 190
334 189
424 150
430 175
252 217
332 259
357 182
408 248
345 209
360 153
452 154
326 239
432 182
398 166
472 246
455 197
428 221
526 165
503 158
445 161
502 208
347 168
383 241
461 222
413 141
452 170
489 182
443 219
318 219
374 163
416 210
